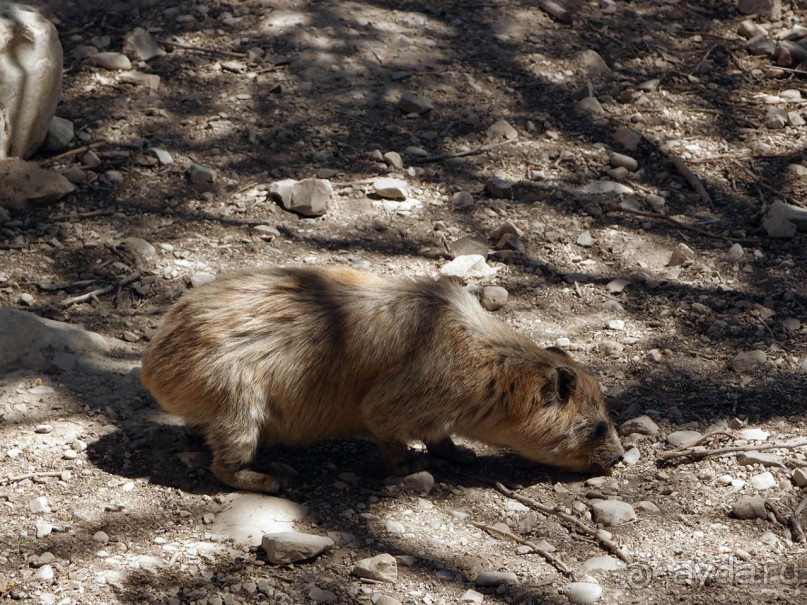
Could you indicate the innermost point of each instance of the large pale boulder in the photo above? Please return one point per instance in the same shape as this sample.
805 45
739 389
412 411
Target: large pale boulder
30 78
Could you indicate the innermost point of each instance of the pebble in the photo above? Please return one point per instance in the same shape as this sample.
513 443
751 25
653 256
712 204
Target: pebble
202 175
140 43
44 573
499 187
605 187
749 29
163 157
628 138
753 434
469 266
748 360
645 506
111 61
725 480
750 507
683 438
616 286
776 118
26 299
421 482
385 600
470 244
761 44
471 597
290 547
619 160
590 106
395 527
383 568
643 425
585 240
603 563
583 593
318 595
763 481
616 325
496 578
43 429
462 200
101 537
765 9
39 505
394 160
43 529
60 134
799 477
308 197
391 189
763 458
611 513
201 278
681 255
501 130
45 558
413 103
493 297
631 456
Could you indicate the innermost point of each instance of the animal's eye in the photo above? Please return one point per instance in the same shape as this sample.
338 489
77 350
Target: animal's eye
599 430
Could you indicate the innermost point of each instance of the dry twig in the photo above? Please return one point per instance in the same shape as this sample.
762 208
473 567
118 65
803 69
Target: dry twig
70 153
201 49
18 478
464 154
691 179
796 530
100 291
579 525
88 214
693 452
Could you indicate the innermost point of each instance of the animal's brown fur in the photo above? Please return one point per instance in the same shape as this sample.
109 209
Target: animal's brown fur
297 355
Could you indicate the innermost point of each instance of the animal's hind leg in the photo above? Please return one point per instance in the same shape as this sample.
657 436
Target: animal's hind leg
448 450
232 453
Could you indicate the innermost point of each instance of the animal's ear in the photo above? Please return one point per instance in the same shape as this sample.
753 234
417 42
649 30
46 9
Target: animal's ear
559 351
565 380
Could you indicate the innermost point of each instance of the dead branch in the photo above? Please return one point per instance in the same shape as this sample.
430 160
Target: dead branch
464 154
125 281
88 214
692 452
18 478
691 179
548 556
208 51
579 525
70 153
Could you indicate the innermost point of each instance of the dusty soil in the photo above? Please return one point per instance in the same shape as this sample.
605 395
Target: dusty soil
324 96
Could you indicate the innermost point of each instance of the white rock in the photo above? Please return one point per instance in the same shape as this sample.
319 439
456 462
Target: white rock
615 324
683 438
39 505
624 161
44 573
496 578
471 597
583 593
30 77
799 477
611 513
468 266
681 255
616 286
391 189
604 187
763 481
421 482
493 297
247 517
200 278
43 529
26 184
290 547
585 240
111 61
603 563
142 45
784 220
748 360
631 456
643 425
202 175
163 157
383 568
413 103
753 434
501 130
309 197
763 458
735 253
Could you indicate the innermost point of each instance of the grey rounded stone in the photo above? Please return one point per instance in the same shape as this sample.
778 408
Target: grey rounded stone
493 297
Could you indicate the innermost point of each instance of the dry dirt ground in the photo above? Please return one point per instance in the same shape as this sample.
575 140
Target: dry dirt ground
323 96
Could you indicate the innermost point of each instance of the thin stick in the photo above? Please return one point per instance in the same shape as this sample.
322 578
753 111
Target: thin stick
464 154
579 525
100 291
200 49
89 214
698 454
691 179
679 224
796 530
31 476
548 556
70 153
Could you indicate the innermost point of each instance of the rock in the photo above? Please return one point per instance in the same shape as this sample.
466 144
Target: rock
496 578
247 517
735 253
202 175
752 434
605 187
681 255
421 482
111 61
611 513
140 248
201 278
318 595
60 134
616 286
151 81
591 107
44 573
585 240
394 160
767 9
101 537
510 241
412 103
610 348
503 229
683 438
616 325
592 63
75 175
631 456
290 547
776 118
583 593
391 189
141 44
602 563
799 477
763 458
795 119
761 44
309 197
382 568
43 529
619 160
784 220
462 200
470 244
748 360
647 507
501 130
763 481
469 266
471 597
749 507
163 157
493 297
385 600
499 188
31 67
26 184
628 138
749 29
39 505
643 425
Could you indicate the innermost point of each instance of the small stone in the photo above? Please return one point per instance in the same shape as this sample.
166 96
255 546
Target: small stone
44 573
502 130
138 78
493 297
748 360
395 527
725 480
470 244
619 160
142 45
583 593
735 253
795 119
496 578
507 227
610 348
421 482
762 458
776 118
499 188
585 240
750 507
767 9
510 241
681 255
201 278
749 29
631 456
683 438
382 568
616 325
394 160
391 189
26 184
769 538
616 286
290 547
43 429
628 138
606 187
611 513
643 425
753 434
43 529
791 324
470 266
412 103
799 477
60 134
471 597
592 63
163 157
647 507
101 537
591 107
111 61
763 481
462 200
310 197
202 175
39 505
318 595
602 563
